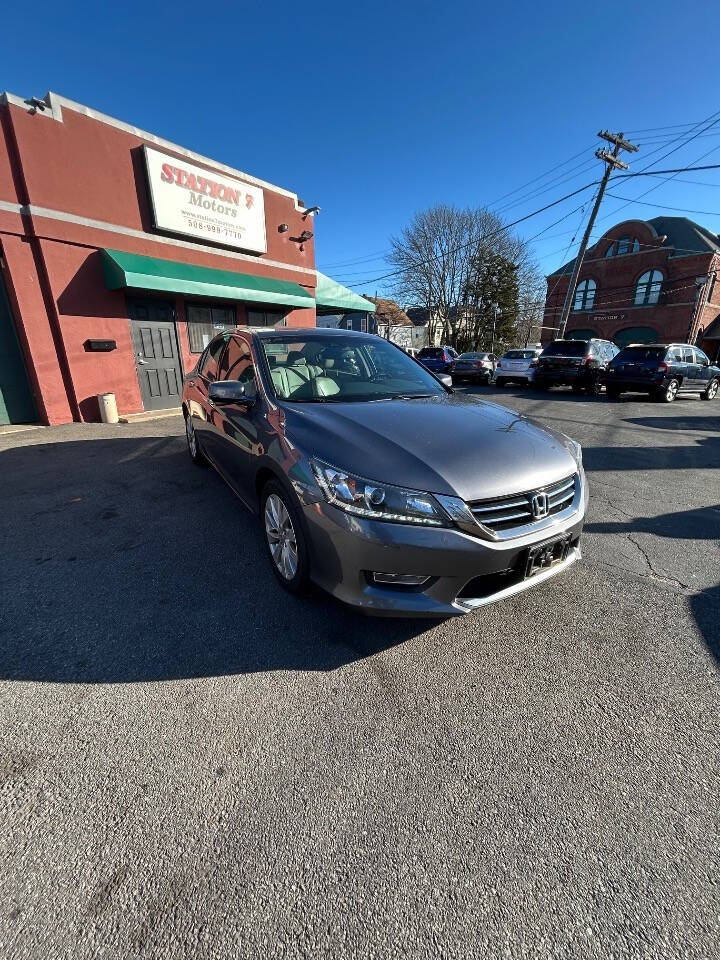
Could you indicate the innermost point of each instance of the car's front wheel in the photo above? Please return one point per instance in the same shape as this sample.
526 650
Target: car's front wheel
712 389
500 381
193 444
284 538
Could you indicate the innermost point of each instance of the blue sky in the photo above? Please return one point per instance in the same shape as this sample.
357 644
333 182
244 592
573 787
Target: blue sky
377 110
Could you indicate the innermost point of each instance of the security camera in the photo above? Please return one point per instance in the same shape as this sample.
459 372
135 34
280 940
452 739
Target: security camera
35 103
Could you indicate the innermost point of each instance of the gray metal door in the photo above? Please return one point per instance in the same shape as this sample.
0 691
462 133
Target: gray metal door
156 353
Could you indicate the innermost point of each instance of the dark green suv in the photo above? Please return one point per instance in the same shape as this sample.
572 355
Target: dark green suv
662 370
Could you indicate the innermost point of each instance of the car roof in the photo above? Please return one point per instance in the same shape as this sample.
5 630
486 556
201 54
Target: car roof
311 333
666 345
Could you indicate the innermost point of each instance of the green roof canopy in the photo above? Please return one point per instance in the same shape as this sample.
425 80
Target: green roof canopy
130 270
332 297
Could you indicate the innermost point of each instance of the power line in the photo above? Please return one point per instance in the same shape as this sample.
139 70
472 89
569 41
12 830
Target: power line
663 206
489 236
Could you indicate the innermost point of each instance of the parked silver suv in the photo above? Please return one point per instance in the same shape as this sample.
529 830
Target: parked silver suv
377 482
517 366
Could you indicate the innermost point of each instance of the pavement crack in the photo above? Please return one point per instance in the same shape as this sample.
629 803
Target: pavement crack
652 573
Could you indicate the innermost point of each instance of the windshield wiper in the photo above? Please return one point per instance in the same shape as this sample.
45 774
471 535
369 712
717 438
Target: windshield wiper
413 396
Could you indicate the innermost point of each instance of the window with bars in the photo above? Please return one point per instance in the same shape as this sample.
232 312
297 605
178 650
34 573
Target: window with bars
266 318
205 321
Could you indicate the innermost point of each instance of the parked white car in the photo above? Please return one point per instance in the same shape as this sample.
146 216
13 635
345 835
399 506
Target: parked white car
517 365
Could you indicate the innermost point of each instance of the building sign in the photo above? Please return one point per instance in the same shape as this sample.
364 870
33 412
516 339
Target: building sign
610 317
200 203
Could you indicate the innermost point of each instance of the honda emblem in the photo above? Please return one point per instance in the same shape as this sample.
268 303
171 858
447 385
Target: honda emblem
539 505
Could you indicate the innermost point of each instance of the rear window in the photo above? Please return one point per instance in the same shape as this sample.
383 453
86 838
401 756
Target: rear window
566 348
473 356
431 352
638 354
519 355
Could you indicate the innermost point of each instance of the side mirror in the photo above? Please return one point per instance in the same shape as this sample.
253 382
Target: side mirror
232 391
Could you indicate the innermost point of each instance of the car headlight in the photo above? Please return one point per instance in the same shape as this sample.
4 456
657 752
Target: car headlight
377 501
576 450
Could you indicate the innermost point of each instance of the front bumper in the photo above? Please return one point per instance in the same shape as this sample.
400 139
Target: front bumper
464 571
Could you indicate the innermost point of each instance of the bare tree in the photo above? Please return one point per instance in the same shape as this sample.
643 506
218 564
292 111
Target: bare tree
438 258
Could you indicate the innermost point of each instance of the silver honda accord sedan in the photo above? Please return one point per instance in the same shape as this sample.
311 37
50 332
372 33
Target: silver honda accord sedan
376 481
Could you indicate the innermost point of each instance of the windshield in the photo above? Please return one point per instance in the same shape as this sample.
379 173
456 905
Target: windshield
519 355
566 348
337 369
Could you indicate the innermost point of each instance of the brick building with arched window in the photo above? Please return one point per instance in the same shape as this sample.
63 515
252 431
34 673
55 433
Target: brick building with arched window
644 280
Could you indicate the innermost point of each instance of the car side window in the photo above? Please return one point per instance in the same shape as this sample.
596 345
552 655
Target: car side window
237 363
688 355
702 358
209 362
675 355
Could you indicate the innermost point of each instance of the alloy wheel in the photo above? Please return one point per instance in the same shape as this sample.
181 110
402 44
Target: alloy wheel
712 390
671 391
281 538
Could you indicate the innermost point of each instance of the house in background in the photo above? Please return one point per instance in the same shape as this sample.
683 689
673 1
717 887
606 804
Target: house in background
394 324
644 281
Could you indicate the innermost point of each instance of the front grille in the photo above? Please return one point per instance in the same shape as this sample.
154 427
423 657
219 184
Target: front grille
501 513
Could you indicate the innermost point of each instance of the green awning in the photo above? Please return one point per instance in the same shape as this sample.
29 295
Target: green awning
134 272
332 297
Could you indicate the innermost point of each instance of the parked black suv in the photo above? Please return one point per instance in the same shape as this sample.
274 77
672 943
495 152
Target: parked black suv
579 363
662 370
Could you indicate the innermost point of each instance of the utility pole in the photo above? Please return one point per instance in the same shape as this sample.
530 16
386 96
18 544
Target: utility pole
611 163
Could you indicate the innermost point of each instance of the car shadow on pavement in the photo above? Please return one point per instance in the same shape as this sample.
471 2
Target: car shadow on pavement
702 454
705 607
123 562
681 422
703 523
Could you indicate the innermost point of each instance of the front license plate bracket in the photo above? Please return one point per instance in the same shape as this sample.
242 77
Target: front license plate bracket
546 554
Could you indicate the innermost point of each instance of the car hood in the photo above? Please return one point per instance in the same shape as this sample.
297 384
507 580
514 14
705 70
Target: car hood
454 445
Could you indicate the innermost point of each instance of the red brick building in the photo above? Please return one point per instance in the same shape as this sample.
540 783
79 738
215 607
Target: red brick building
644 280
121 254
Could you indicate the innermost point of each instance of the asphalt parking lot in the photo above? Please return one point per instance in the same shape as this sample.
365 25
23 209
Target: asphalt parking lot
196 765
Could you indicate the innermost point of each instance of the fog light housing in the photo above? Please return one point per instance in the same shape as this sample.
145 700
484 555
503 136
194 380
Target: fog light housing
400 579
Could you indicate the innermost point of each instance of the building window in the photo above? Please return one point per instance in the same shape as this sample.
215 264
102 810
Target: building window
647 291
635 245
585 295
205 321
610 252
266 318
623 246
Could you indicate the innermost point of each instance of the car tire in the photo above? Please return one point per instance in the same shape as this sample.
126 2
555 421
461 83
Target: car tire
193 444
712 389
668 393
612 393
594 389
284 537
500 381
578 388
